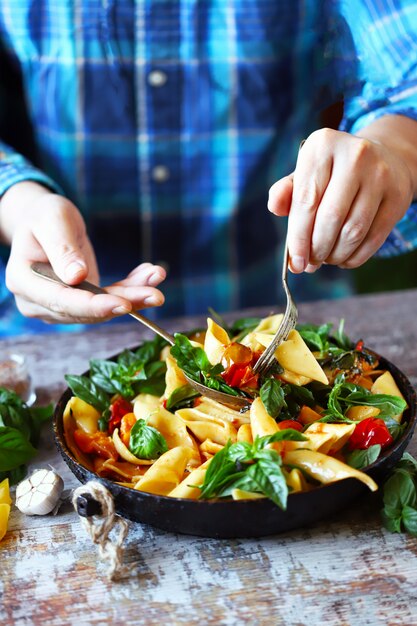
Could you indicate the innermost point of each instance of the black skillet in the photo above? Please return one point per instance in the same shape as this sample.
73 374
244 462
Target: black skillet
244 518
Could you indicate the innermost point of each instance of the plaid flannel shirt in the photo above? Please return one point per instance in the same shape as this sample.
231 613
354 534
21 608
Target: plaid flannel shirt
172 118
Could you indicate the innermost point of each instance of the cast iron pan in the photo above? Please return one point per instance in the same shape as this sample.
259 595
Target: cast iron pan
243 518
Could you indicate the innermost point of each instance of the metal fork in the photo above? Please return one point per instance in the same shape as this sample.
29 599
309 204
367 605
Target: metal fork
267 359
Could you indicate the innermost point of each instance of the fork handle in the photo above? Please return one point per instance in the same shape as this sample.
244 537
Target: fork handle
45 271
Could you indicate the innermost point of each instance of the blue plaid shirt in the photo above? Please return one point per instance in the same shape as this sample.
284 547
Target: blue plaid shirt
166 122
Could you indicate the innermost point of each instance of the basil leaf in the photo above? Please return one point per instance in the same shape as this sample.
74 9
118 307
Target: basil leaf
408 462
146 442
84 388
220 469
102 373
400 490
151 350
269 479
273 397
409 518
287 434
359 459
388 405
181 397
15 449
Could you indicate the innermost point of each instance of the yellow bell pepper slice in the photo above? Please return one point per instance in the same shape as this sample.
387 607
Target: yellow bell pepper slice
5 492
5 502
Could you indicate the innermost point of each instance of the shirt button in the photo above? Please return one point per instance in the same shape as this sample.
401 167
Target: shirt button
156 78
160 173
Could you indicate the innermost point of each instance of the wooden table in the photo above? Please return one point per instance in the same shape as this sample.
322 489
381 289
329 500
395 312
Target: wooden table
345 570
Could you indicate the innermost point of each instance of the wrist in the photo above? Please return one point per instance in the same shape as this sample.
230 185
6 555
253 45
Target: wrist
397 135
18 205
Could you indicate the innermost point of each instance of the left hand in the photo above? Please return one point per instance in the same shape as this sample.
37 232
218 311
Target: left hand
343 199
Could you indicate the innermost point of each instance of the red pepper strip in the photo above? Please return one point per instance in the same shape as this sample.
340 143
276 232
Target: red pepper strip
369 432
118 409
359 346
290 424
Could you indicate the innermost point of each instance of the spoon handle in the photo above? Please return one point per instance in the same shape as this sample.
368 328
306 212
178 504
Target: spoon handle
45 271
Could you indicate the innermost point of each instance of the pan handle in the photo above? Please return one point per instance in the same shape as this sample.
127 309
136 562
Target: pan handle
87 505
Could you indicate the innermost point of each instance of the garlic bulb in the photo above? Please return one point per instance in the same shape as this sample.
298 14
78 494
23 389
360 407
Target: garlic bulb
39 494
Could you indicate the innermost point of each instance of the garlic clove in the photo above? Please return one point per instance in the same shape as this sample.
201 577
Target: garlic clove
39 494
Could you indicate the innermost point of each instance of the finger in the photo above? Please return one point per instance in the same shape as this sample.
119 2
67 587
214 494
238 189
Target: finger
311 178
332 212
62 235
146 274
138 296
310 269
356 226
36 311
382 225
280 194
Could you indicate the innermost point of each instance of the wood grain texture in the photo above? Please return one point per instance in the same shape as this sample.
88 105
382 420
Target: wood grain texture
347 570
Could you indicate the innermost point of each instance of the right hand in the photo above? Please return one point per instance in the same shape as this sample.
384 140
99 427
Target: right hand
43 226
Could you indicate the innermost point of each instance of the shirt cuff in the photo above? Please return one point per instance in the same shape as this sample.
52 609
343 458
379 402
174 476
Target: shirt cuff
14 168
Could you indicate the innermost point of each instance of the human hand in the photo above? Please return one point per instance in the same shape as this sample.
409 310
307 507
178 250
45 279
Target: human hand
53 230
343 199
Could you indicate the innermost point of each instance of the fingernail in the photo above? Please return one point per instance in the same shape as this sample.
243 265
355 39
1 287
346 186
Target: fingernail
154 279
121 310
298 263
74 269
152 301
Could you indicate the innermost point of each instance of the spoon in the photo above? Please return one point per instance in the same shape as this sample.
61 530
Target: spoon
45 270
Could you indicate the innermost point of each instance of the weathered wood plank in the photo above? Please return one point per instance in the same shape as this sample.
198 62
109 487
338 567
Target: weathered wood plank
346 570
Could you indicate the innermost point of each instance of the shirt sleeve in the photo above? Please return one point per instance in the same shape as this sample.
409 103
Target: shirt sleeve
384 34
14 168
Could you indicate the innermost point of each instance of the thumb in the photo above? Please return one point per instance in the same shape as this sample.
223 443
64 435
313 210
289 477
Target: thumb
280 196
61 233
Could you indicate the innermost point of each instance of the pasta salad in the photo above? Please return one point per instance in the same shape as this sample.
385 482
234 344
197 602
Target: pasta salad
324 413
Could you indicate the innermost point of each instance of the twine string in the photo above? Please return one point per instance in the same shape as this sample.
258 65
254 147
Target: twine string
100 526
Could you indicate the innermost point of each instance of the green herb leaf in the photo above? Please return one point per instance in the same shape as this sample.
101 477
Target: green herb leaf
84 388
15 449
400 490
273 397
146 442
409 518
181 397
269 479
362 458
341 339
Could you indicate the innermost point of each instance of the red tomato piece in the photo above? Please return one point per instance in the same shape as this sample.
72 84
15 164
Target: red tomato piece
290 424
98 443
237 376
369 432
118 409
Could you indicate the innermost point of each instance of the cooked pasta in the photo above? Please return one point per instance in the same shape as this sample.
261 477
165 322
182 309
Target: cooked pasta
324 413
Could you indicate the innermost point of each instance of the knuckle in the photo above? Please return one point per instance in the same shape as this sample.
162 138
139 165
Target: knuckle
353 233
359 151
308 198
381 173
323 136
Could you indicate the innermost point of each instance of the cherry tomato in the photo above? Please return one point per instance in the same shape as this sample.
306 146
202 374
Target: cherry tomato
369 432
